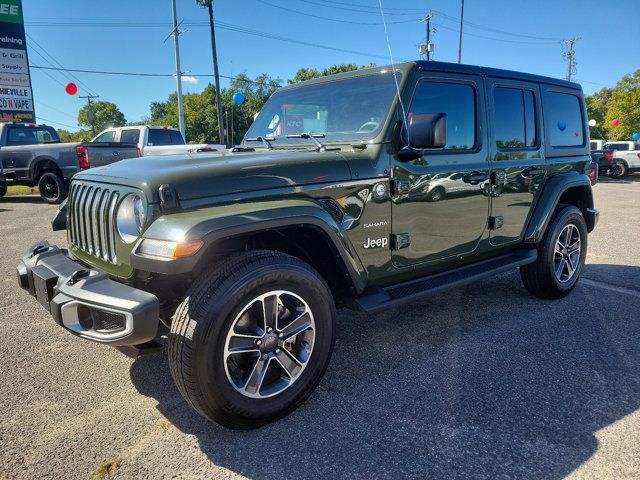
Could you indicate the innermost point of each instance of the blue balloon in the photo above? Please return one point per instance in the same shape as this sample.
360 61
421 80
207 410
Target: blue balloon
238 98
562 125
636 136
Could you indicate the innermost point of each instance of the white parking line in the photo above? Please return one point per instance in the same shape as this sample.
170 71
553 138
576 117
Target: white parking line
608 286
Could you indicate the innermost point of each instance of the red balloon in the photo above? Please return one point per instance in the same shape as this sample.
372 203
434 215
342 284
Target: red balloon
71 88
615 122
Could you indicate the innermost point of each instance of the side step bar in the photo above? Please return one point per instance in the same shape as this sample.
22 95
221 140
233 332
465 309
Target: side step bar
377 299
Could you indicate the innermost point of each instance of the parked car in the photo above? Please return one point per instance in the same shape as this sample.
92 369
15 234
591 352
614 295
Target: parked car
626 157
246 261
154 140
32 154
601 160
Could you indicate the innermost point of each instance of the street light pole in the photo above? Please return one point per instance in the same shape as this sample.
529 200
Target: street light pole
460 37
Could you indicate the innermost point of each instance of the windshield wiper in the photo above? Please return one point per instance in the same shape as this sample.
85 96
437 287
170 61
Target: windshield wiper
266 141
314 137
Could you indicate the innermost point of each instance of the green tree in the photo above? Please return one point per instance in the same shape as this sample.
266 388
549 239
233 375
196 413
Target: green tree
625 106
105 114
308 73
72 137
200 111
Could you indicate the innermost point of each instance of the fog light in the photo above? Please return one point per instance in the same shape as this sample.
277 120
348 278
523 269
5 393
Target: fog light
168 249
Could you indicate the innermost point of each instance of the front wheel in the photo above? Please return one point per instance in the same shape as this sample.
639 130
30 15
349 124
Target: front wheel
3 189
561 256
252 339
53 188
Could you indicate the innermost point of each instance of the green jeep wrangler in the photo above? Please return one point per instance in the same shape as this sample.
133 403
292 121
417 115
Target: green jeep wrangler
365 190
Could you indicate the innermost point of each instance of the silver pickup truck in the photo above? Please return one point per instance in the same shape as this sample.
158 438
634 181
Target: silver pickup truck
33 155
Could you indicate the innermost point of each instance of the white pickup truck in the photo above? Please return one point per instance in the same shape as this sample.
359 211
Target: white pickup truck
626 157
154 140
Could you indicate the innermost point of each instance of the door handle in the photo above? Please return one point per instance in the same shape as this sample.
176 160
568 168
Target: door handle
532 172
475 178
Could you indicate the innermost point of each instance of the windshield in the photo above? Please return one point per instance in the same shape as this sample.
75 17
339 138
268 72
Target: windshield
352 109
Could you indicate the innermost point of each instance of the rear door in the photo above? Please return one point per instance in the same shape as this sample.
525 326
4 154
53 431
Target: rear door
517 157
439 199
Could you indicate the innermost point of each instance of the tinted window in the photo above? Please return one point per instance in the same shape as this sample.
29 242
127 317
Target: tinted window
106 137
593 145
515 118
176 138
458 102
130 136
159 136
564 115
19 135
617 146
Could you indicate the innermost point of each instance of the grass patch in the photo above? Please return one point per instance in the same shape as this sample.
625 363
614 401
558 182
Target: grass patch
107 468
21 190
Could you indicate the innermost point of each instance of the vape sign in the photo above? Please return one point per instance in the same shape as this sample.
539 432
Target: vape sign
16 100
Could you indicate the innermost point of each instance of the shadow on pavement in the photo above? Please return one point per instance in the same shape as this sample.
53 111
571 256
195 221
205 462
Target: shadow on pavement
483 381
22 199
631 178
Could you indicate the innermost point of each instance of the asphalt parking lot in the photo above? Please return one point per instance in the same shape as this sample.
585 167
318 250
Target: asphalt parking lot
480 382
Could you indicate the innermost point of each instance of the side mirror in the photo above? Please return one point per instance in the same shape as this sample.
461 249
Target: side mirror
427 130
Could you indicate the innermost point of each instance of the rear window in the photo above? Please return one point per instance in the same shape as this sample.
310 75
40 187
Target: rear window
19 135
617 146
130 136
515 118
161 136
563 112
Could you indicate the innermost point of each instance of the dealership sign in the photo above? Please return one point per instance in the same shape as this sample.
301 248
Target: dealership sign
16 99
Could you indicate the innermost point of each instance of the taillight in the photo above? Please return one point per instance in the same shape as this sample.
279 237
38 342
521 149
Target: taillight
608 155
83 156
138 151
593 173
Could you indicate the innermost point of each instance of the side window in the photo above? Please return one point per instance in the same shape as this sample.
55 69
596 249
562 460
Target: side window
159 136
515 118
105 137
458 101
564 116
176 138
130 136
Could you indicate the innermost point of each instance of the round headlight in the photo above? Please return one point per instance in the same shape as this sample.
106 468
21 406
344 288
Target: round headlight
130 218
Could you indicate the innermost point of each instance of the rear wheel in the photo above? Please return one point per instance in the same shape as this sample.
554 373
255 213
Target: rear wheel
561 256
53 188
3 189
252 339
619 169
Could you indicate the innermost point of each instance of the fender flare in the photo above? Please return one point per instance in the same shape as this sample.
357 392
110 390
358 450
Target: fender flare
218 223
38 160
549 198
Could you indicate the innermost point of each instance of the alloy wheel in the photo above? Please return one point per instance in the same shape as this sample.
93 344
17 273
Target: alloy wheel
566 256
269 344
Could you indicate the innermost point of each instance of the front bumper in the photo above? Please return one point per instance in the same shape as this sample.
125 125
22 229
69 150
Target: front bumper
86 301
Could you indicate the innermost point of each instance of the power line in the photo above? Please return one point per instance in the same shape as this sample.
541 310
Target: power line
33 41
57 123
350 8
329 19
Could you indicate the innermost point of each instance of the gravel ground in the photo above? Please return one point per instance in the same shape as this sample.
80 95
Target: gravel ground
479 382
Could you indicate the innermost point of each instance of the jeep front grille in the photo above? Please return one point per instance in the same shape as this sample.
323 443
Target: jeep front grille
92 212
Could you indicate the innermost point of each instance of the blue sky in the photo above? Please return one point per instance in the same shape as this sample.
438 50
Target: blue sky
507 34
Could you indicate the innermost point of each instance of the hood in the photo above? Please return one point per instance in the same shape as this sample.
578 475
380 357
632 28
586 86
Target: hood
207 175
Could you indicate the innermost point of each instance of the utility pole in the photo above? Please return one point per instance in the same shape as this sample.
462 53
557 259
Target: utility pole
209 4
90 117
460 37
176 32
427 48
569 55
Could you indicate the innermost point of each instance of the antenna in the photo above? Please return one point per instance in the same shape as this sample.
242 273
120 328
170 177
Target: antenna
393 66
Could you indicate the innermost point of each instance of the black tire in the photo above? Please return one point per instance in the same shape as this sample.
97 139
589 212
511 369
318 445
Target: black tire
539 277
618 170
200 326
436 194
3 189
53 188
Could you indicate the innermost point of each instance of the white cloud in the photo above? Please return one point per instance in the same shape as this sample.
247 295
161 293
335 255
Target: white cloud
189 79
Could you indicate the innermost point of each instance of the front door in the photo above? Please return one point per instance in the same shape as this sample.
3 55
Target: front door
517 159
439 204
